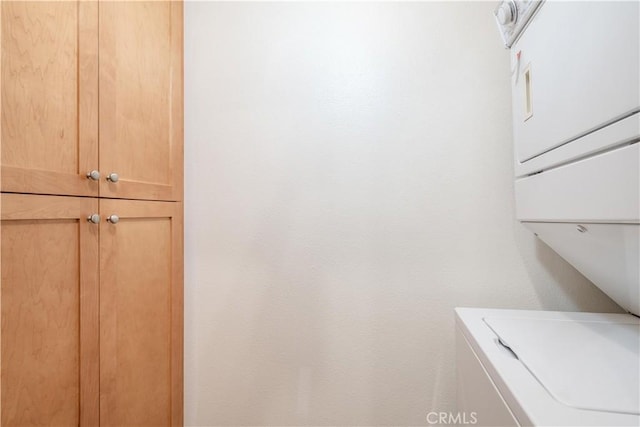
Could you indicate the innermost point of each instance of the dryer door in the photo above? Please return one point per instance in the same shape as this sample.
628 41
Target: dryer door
576 69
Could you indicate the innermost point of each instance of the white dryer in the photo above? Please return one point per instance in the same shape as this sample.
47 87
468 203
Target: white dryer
576 119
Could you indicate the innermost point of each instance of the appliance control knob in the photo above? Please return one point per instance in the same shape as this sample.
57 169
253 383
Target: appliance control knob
506 13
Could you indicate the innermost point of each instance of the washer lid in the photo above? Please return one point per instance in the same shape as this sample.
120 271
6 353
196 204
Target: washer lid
592 365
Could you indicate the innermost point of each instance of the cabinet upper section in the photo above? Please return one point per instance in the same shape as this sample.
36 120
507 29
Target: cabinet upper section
574 72
140 45
49 97
92 86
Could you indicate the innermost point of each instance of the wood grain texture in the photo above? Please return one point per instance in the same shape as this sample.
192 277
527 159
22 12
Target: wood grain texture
88 92
140 81
177 97
177 318
49 97
49 306
55 369
141 314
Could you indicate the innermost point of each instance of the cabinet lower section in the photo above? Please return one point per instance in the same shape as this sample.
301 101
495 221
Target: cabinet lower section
91 326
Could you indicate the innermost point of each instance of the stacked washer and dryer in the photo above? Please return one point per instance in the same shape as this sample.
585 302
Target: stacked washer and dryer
576 125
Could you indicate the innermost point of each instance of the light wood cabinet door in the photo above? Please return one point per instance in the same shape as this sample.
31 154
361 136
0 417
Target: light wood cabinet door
141 313
49 304
140 78
49 91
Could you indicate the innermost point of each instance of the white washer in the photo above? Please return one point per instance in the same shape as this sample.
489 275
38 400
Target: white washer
571 369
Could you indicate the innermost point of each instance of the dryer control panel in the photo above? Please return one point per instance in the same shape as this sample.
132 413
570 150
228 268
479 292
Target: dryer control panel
512 16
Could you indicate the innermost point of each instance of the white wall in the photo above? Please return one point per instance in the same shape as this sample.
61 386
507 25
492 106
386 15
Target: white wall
348 183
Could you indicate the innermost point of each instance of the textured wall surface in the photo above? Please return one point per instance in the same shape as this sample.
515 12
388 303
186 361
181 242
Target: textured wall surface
348 183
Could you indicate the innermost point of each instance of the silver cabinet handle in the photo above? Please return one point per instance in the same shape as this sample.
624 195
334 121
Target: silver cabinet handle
94 175
113 177
95 218
113 219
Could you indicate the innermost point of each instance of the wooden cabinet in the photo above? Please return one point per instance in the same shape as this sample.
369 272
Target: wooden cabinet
92 86
91 312
49 305
141 99
141 313
91 323
49 84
